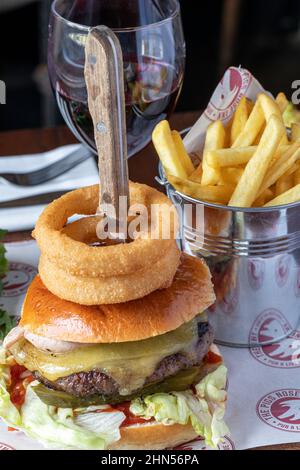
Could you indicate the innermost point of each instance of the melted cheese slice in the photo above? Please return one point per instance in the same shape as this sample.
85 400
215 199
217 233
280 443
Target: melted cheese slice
127 363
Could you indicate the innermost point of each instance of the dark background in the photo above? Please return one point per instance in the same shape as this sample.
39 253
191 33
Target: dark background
261 35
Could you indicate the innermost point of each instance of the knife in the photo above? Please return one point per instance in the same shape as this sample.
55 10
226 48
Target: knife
33 200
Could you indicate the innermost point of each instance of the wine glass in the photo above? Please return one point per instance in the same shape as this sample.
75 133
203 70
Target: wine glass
151 37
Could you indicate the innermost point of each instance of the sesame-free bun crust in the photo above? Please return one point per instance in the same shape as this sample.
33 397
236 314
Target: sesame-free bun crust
157 436
153 436
161 311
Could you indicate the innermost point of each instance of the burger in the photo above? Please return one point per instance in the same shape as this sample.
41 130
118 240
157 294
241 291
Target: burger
143 374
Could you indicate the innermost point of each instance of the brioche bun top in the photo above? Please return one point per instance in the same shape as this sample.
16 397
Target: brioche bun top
161 311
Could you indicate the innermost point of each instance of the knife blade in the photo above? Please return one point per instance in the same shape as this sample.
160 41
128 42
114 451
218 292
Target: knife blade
33 200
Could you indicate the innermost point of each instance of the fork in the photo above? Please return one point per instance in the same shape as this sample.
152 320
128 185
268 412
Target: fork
49 172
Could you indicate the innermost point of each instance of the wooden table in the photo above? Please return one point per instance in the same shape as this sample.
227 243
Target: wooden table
142 168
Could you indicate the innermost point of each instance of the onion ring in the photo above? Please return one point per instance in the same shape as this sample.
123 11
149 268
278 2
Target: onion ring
111 289
79 259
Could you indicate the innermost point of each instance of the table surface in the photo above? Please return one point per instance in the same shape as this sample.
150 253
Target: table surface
142 168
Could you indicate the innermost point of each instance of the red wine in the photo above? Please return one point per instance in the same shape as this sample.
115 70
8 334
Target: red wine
152 42
151 92
108 12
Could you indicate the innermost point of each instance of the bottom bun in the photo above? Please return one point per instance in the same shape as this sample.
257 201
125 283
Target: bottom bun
153 436
157 436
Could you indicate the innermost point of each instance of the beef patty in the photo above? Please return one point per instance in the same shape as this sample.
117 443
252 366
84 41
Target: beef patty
84 384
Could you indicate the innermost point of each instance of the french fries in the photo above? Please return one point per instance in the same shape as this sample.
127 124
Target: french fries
196 176
230 157
292 195
233 157
247 188
167 151
265 197
231 175
182 153
249 162
284 183
295 132
269 107
215 138
218 194
281 166
250 106
252 127
239 120
282 102
297 175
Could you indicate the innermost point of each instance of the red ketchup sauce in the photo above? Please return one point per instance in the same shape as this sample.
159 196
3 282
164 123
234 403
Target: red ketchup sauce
17 387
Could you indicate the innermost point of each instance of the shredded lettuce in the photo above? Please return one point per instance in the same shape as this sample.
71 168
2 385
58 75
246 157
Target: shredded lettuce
204 409
86 428
95 429
8 411
52 425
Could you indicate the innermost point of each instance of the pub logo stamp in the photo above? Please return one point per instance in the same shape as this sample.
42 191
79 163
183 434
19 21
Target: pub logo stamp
280 409
17 279
199 444
5 446
284 354
256 273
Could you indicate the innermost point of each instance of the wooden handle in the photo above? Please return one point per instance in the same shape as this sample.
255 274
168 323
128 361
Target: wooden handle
106 100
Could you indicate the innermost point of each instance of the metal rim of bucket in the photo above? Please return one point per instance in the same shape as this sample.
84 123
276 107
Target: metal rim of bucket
162 180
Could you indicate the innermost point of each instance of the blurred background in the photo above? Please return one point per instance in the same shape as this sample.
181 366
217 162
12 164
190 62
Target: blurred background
263 36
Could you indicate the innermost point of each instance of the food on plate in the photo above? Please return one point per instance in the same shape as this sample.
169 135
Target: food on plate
249 184
215 138
282 102
72 267
183 155
289 196
167 150
142 374
252 127
280 166
295 132
239 119
249 161
220 194
111 289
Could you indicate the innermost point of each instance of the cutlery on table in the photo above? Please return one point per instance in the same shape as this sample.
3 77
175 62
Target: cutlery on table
44 198
32 178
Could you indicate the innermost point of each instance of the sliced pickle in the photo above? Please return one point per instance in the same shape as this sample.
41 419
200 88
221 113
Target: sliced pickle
179 382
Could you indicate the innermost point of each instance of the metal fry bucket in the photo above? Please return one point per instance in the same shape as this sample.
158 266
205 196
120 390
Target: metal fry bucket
254 258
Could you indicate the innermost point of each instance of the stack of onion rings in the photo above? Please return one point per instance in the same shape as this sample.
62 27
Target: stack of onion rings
73 269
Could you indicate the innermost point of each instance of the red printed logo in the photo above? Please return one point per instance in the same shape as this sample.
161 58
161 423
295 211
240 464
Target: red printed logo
256 273
228 93
282 270
231 299
269 326
17 279
5 447
281 409
199 444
